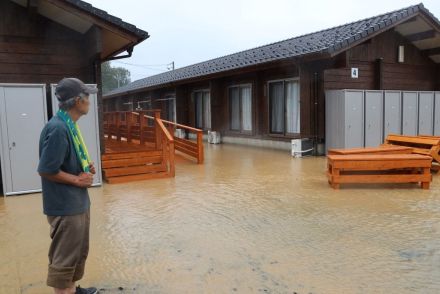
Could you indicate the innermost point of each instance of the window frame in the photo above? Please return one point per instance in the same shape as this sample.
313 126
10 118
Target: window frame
193 96
240 130
269 113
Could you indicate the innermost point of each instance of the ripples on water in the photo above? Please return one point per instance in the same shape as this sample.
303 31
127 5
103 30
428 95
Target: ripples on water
248 221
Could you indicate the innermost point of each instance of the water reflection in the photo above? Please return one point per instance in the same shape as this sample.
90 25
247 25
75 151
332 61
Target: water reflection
248 221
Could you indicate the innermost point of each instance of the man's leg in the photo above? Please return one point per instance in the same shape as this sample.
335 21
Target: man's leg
80 266
67 234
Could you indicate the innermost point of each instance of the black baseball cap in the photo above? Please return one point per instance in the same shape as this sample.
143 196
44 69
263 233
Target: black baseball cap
71 87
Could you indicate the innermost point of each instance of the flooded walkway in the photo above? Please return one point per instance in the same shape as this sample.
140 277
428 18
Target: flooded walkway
248 221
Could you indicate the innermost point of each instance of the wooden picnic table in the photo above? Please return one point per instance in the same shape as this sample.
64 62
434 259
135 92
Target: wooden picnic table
424 145
386 149
379 168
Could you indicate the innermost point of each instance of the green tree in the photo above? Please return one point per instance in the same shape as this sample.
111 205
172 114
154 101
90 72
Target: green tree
113 77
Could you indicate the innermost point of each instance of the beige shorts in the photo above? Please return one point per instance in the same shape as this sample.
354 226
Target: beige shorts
68 250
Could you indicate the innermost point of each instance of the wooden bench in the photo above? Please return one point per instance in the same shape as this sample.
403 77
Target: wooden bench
385 149
424 145
379 168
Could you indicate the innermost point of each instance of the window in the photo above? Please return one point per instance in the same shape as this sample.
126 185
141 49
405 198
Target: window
240 108
170 106
202 106
284 107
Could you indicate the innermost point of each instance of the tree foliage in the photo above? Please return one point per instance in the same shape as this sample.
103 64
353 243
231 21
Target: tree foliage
113 77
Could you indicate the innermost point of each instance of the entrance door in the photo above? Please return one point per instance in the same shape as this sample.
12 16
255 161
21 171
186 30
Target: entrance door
89 127
23 116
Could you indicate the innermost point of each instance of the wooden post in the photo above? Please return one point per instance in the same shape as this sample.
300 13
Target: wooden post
118 126
335 174
128 121
157 131
426 171
172 170
141 128
200 155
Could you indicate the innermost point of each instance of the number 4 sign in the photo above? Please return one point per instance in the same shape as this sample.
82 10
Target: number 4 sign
354 72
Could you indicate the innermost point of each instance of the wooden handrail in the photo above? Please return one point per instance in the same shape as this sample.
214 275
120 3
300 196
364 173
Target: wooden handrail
164 130
182 126
136 127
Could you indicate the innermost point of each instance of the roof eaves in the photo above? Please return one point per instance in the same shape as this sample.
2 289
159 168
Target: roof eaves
87 7
376 29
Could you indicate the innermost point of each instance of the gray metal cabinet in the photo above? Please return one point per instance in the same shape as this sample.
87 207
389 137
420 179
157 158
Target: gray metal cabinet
410 113
23 114
426 113
392 113
89 126
373 118
354 119
437 114
344 118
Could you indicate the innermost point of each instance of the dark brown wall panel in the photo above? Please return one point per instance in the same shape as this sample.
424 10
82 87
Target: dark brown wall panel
34 49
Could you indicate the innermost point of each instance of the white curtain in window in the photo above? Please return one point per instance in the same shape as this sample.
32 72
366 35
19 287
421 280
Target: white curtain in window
199 109
292 107
246 108
276 98
234 100
207 110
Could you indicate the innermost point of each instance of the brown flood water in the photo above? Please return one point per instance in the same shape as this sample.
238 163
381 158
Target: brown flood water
248 221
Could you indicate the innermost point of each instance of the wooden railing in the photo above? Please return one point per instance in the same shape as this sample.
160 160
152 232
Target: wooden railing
187 146
167 142
145 128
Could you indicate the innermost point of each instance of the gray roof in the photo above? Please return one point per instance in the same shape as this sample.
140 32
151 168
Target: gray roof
142 35
329 41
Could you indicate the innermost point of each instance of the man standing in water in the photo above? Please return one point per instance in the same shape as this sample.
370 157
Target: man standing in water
67 172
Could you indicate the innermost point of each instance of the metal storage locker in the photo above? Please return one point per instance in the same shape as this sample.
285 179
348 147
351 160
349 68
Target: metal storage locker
89 125
23 114
409 113
426 113
331 125
354 118
373 118
392 113
437 114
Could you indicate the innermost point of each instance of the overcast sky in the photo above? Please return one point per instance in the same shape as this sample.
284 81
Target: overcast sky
193 31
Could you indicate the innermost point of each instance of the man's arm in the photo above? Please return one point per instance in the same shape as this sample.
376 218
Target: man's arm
84 180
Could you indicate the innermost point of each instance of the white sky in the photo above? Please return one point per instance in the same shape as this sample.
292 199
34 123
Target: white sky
193 31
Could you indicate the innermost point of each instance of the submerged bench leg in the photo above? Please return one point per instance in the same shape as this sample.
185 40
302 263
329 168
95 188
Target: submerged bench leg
335 173
426 171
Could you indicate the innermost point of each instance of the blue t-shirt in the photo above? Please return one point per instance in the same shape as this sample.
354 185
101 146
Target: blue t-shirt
57 153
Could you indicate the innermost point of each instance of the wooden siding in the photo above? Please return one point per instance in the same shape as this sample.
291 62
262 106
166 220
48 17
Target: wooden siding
417 72
34 49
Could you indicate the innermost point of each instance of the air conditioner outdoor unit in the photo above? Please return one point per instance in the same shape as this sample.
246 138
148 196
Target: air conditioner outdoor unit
301 147
213 137
180 133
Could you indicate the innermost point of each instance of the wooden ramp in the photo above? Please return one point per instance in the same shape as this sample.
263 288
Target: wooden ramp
126 162
140 145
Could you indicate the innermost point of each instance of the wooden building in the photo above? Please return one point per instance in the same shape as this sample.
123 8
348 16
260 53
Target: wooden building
42 42
275 93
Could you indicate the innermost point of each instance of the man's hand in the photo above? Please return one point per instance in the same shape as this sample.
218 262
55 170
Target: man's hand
84 180
92 168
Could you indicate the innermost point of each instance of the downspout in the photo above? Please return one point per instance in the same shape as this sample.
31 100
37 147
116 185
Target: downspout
316 116
128 55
